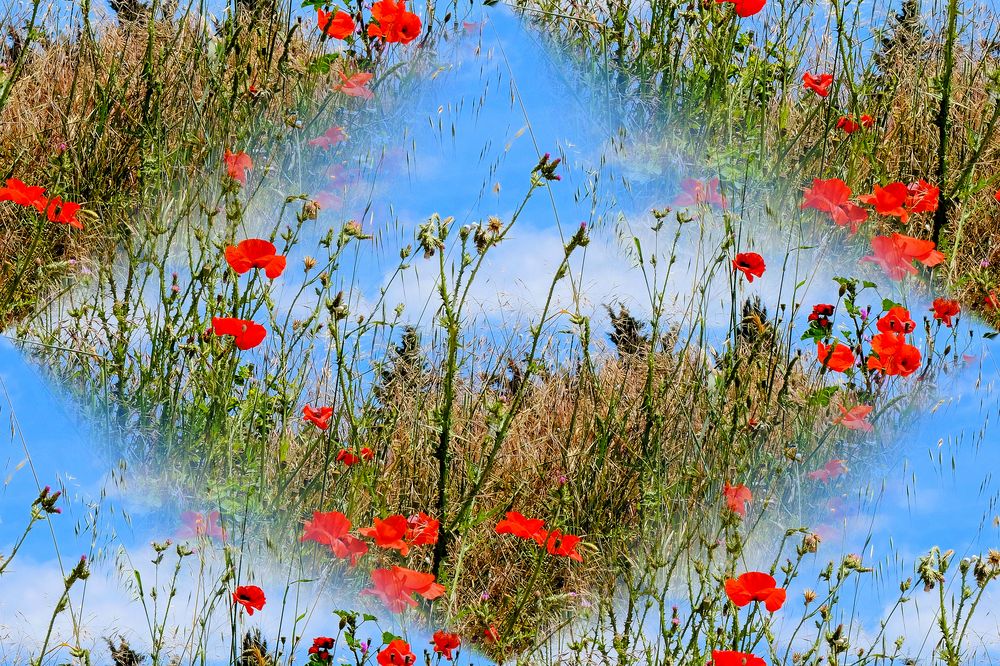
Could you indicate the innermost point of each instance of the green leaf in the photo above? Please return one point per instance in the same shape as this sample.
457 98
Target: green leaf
388 637
822 397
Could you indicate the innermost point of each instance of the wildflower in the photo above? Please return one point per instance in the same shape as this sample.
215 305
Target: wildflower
867 121
396 653
832 196
389 533
46 500
321 648
992 301
196 525
831 470
837 357
521 527
699 193
367 453
896 320
818 83
855 418
18 193
731 658
491 634
332 529
422 530
893 356
396 587
393 23
63 212
737 498
319 416
755 586
355 85
564 545
255 253
237 165
250 597
922 197
896 254
889 200
546 167
338 25
246 334
750 264
348 457
820 316
445 642
745 8
848 125
330 138
944 309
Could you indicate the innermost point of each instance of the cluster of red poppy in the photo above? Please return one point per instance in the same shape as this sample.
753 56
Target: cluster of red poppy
391 22
397 532
890 354
833 197
533 529
849 125
243 257
742 591
33 196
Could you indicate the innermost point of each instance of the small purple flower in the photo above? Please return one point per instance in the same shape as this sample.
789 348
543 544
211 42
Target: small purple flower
984 263
864 313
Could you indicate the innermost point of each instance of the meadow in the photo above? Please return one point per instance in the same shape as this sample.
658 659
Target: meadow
537 333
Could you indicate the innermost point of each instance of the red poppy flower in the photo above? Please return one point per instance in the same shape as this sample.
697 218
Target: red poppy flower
992 301
896 320
867 121
698 193
367 454
745 8
750 264
389 533
821 314
250 597
922 197
521 527
491 634
730 658
837 357
330 138
831 470
855 418
564 545
422 530
63 212
445 642
338 25
237 165
396 653
889 200
319 417
396 587
896 253
321 648
893 356
944 309
246 334
255 253
737 498
348 457
332 529
819 83
848 124
832 196
356 85
393 23
17 192
755 586
195 525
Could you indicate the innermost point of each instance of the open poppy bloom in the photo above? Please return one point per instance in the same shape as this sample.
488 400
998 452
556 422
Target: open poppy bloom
18 193
737 498
893 356
332 529
564 545
731 658
944 309
338 25
896 254
831 470
750 264
319 417
321 648
246 334
356 85
63 212
348 457
896 320
699 193
855 418
255 253
445 642
367 454
818 83
393 23
396 653
889 200
422 530
237 165
745 8
396 587
848 125
755 586
922 197
521 527
250 597
837 356
389 533
197 525
833 197
330 138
